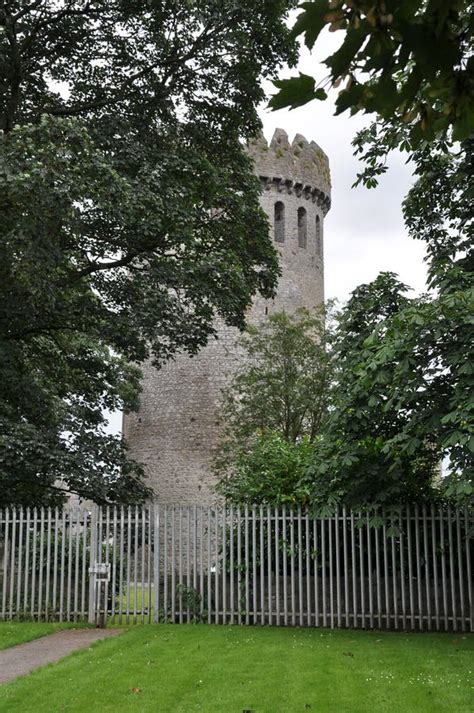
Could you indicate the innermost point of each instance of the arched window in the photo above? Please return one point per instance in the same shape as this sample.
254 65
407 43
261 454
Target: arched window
318 235
279 222
302 227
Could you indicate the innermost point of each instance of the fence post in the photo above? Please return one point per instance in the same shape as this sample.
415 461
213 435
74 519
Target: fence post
92 561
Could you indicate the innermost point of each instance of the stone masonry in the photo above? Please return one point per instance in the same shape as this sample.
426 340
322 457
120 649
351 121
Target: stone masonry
176 428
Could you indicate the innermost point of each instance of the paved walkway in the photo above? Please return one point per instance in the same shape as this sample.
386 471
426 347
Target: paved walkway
23 658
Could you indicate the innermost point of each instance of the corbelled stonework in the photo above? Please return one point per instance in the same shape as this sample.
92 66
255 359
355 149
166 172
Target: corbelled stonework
176 428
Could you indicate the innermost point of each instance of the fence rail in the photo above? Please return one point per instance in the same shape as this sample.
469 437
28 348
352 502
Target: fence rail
273 566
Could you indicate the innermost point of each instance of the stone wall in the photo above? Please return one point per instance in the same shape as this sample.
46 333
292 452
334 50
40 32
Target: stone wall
176 428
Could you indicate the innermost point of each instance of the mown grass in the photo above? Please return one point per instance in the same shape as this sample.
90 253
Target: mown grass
263 670
12 632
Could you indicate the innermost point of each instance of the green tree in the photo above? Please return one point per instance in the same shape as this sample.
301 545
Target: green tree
406 60
274 408
361 459
405 379
122 176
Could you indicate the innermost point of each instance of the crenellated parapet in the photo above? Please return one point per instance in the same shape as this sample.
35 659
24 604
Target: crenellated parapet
301 167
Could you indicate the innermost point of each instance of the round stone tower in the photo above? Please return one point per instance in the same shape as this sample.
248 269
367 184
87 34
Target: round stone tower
176 429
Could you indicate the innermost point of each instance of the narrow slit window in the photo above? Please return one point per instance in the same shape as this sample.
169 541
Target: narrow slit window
279 222
318 235
302 227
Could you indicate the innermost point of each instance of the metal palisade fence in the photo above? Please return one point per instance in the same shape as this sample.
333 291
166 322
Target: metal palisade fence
256 565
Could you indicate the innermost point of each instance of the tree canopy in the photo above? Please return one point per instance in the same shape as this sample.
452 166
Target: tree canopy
130 215
406 60
274 408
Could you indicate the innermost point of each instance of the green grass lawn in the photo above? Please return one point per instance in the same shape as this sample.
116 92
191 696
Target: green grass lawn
237 669
12 633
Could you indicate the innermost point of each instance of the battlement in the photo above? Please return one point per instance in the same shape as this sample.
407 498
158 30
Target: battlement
299 167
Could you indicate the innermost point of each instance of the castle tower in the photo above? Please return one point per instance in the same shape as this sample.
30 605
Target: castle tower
175 430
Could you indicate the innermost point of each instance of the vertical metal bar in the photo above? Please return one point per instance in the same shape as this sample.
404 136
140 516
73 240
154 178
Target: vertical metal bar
173 564
231 563
292 567
165 563
467 536
354 572
377 576
135 566
122 563
331 573
418 568
209 566
369 573
285 570
269 563
69 567
55 558
362 572
402 570
323 567
239 568
12 562
27 559
76 563
33 571
128 564
300 568
224 565
434 556
385 573
338 569
315 572
427 567
62 566
346 567
394 583
5 565
410 570
180 562
113 593
216 564
308 568
195 577
460 570
254 567
443 569
20 561
188 560
156 562
277 565
262 568
145 599
451 569
41 565
246 559
85 527
48 567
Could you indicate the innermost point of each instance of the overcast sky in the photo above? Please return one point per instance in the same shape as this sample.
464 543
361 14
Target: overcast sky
364 232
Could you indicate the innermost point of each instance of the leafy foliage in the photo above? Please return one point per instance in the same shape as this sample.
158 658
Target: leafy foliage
272 472
404 382
404 59
274 408
122 176
361 458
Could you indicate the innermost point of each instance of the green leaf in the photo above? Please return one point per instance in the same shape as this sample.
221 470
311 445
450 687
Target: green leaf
295 92
311 21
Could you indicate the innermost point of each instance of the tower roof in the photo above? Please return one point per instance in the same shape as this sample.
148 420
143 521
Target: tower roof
301 161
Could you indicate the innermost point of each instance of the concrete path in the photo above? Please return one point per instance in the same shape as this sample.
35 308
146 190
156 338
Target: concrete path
23 658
